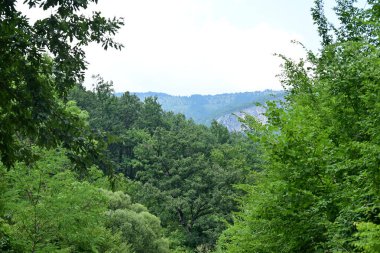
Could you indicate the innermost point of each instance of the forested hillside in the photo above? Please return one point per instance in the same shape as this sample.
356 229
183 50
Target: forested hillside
87 171
203 109
183 172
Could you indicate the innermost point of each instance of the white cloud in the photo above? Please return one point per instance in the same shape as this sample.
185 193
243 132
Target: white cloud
179 47
176 47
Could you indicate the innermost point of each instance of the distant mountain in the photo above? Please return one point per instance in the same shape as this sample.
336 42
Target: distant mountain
223 107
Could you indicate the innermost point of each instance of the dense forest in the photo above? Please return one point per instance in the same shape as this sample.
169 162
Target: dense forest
87 171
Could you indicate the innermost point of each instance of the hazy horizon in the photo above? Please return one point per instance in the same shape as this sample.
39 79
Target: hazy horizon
195 94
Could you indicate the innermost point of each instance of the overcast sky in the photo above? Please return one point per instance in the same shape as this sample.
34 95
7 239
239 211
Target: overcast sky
184 47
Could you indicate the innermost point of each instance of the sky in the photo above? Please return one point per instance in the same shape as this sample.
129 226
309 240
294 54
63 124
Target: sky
184 47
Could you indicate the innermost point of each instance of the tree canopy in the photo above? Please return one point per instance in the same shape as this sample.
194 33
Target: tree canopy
183 172
318 190
39 63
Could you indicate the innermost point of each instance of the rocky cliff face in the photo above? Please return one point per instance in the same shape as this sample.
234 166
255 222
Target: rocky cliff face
233 120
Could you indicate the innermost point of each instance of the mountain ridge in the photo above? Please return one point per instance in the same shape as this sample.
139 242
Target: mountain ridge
203 109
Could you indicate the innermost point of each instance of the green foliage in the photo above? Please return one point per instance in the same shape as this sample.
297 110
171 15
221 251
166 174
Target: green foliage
318 188
369 237
151 115
31 82
48 209
49 202
187 179
136 225
183 172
